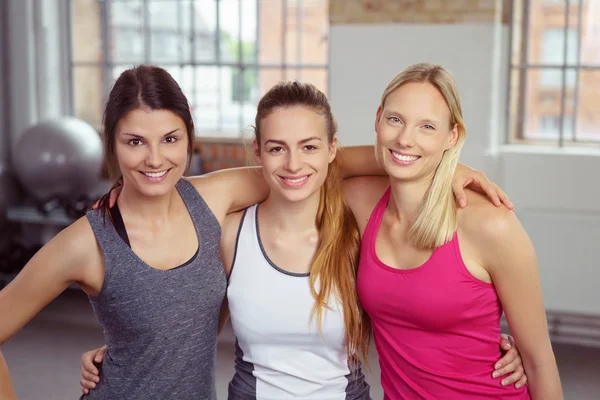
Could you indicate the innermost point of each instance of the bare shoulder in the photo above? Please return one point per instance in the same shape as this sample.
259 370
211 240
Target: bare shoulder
361 195
480 218
230 190
496 232
77 247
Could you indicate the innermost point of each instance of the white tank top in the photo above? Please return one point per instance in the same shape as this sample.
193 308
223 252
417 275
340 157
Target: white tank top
280 353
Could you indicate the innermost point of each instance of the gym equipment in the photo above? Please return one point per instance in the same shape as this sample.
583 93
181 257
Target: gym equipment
58 159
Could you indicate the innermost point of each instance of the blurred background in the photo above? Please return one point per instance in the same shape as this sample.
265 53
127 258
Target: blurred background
528 73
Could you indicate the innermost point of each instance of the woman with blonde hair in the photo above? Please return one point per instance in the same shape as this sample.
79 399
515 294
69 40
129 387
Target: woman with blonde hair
434 278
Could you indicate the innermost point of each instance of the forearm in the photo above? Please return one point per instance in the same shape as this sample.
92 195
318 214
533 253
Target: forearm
543 380
7 391
359 161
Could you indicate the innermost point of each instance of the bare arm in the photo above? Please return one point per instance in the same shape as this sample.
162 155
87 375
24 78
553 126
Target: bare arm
46 275
228 249
509 257
359 161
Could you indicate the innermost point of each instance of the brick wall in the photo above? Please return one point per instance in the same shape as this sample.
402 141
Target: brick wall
417 11
217 154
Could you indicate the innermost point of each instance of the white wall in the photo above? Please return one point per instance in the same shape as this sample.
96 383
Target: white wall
556 196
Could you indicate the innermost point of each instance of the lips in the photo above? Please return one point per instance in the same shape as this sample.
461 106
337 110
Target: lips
295 181
155 174
407 158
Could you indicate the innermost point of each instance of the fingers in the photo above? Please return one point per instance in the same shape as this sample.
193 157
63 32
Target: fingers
522 382
518 373
100 355
503 197
88 381
459 192
489 189
87 364
511 355
508 367
506 342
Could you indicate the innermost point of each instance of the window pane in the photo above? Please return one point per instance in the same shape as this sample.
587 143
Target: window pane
315 31
588 118
315 76
206 97
252 95
229 19
202 30
543 109
546 33
270 31
166 15
552 78
590 33
269 77
86 33
88 94
169 42
230 109
293 29
127 36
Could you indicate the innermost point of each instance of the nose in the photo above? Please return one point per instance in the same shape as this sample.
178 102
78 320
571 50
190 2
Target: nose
407 137
154 158
292 162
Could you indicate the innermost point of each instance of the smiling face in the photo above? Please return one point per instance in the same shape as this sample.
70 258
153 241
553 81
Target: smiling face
294 152
413 131
151 148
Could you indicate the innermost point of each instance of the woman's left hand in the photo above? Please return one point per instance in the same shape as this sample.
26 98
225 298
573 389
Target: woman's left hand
479 182
511 364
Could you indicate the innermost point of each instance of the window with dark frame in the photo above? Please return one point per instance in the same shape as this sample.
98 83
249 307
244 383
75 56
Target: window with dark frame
554 80
225 54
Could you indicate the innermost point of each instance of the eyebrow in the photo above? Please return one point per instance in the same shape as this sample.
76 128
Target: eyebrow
282 142
141 137
432 121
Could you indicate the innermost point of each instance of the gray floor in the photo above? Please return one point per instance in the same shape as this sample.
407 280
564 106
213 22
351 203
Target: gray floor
44 356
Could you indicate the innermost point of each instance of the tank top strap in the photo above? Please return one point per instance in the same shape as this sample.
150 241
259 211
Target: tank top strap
206 223
377 215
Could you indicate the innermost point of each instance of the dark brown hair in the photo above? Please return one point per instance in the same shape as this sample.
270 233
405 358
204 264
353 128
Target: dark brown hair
335 263
144 86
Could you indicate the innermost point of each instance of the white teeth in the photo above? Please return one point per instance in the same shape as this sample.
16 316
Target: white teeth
155 174
296 180
404 158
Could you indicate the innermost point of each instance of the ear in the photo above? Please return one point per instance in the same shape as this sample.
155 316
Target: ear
378 117
333 147
256 151
453 137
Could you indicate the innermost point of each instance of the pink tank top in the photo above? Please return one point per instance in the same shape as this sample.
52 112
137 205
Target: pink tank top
436 327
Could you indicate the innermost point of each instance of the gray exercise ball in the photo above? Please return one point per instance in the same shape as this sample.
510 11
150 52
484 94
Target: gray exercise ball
58 159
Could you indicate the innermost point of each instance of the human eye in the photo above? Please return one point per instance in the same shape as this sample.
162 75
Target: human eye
135 142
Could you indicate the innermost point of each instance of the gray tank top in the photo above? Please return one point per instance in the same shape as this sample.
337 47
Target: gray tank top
160 327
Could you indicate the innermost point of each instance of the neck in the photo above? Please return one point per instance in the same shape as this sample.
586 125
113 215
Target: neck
150 209
407 198
287 216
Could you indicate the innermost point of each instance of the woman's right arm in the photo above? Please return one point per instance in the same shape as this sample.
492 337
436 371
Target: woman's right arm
50 271
231 190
